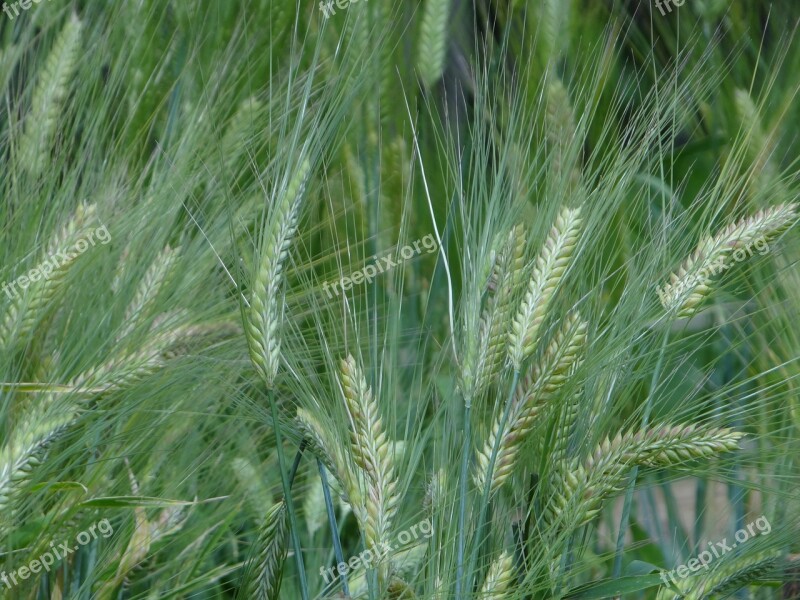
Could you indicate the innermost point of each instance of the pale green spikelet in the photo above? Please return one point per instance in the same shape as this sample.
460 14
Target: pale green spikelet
24 449
758 147
562 357
256 493
551 31
725 577
562 130
184 339
267 568
499 579
371 449
28 308
692 282
581 486
548 271
756 141
318 441
327 451
154 279
432 48
484 354
314 510
435 490
239 132
49 97
265 314
566 420
125 369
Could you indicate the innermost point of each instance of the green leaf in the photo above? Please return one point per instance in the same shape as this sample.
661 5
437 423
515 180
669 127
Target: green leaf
608 588
60 486
141 501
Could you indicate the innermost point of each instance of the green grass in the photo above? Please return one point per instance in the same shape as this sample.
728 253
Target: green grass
190 381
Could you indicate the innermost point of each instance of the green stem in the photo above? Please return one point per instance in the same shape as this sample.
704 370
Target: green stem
626 507
462 496
487 486
287 495
296 463
337 544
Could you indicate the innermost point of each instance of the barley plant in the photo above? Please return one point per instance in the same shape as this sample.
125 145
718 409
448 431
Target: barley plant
399 300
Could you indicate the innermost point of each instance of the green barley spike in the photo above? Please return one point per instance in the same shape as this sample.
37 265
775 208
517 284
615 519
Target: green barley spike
265 314
319 442
562 357
267 570
49 97
548 271
499 579
372 452
154 279
245 121
497 317
581 486
725 578
256 492
693 281
28 307
25 447
432 47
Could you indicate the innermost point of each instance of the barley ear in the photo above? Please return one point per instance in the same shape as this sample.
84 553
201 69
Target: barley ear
562 357
371 449
484 355
25 449
724 579
499 579
266 569
49 96
693 281
562 130
125 369
432 48
154 279
318 440
581 487
256 493
240 130
265 314
26 309
548 271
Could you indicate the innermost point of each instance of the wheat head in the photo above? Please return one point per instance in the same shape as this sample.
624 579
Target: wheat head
531 396
548 271
372 452
265 314
692 282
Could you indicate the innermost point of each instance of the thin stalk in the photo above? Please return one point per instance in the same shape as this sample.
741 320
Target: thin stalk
296 462
626 507
462 496
487 487
287 494
337 544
